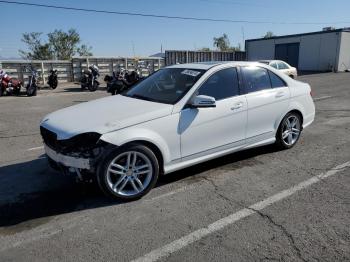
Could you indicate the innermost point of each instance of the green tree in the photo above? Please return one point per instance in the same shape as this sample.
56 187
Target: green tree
222 42
269 34
84 50
36 49
59 45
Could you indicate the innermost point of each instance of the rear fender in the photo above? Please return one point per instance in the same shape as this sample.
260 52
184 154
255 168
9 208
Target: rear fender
293 105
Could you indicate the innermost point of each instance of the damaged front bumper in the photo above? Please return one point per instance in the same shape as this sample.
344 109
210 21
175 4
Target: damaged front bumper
68 161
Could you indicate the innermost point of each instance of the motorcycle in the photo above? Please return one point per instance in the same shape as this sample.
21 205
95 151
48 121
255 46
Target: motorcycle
32 86
89 79
53 82
9 86
121 81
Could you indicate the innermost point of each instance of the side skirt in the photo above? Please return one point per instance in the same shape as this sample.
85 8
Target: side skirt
183 163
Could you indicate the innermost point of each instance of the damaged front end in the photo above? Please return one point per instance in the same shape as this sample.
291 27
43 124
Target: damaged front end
77 155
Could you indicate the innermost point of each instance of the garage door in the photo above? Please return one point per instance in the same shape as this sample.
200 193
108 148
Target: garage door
288 53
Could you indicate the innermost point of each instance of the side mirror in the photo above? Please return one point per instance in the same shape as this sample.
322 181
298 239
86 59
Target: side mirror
203 101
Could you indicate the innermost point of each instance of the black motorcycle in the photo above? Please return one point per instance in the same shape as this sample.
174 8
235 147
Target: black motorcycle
89 79
121 81
53 82
32 86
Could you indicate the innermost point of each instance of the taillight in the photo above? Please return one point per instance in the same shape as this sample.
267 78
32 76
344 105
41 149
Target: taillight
311 93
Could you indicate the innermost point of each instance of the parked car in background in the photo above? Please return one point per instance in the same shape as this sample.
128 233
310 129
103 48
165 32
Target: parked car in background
282 66
177 117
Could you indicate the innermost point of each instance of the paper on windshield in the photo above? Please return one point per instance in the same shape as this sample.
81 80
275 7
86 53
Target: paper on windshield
190 72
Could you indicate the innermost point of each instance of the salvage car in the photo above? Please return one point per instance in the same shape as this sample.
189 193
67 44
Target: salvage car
282 66
179 116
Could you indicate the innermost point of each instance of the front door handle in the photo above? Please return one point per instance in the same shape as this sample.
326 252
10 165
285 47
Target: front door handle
237 106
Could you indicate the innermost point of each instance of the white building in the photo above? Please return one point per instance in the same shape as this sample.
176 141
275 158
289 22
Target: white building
327 50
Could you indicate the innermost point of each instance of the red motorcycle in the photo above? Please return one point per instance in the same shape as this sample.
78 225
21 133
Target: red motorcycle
8 85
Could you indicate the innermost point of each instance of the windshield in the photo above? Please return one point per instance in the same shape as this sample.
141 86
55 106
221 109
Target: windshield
167 85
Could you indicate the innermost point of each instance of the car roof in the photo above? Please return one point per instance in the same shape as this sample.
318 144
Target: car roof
270 61
210 64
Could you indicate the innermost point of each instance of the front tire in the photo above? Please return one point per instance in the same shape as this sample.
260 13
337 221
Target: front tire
128 172
17 91
32 90
289 131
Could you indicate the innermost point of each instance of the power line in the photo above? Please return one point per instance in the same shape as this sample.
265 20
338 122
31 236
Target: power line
169 17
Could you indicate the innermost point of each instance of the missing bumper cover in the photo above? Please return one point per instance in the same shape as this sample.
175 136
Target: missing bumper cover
68 161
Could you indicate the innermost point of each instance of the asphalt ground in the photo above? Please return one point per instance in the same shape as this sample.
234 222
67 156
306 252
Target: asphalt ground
256 205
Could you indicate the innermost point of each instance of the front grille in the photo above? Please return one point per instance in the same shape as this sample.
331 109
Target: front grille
49 137
79 143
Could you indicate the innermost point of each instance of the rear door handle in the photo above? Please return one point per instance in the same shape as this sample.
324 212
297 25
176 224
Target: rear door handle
280 94
237 106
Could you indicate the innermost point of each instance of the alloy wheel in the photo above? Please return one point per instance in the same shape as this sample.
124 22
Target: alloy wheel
129 173
291 130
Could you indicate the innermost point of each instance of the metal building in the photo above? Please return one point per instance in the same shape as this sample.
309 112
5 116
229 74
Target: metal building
327 50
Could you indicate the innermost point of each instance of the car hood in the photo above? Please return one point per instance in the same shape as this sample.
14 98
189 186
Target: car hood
103 115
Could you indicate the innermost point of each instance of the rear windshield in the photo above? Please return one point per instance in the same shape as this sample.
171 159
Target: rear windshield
167 85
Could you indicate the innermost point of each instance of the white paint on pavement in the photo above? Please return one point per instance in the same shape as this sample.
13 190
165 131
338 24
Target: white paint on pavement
180 243
35 148
322 98
61 225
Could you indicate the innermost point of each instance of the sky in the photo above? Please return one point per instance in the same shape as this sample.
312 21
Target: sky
120 35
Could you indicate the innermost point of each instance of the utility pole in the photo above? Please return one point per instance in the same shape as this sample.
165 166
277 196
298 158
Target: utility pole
133 48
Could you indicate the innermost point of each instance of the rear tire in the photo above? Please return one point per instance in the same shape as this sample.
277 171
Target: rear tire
128 172
94 87
289 131
54 84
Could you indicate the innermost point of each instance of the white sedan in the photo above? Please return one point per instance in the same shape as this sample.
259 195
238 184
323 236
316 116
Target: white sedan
282 66
179 116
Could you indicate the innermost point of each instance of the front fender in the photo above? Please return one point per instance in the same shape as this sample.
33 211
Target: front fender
127 135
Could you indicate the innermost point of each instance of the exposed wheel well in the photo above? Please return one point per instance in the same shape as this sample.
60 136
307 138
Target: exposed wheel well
154 149
300 114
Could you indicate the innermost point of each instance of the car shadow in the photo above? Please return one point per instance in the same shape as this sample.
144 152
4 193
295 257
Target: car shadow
31 190
77 89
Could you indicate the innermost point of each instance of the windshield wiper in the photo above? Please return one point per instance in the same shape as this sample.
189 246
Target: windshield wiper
142 97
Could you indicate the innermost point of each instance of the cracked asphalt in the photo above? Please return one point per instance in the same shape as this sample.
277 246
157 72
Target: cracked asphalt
45 216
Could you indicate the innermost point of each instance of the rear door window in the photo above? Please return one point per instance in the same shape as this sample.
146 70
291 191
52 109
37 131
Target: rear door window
276 81
256 78
274 65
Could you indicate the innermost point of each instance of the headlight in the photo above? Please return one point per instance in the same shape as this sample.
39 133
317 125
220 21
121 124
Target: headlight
82 142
